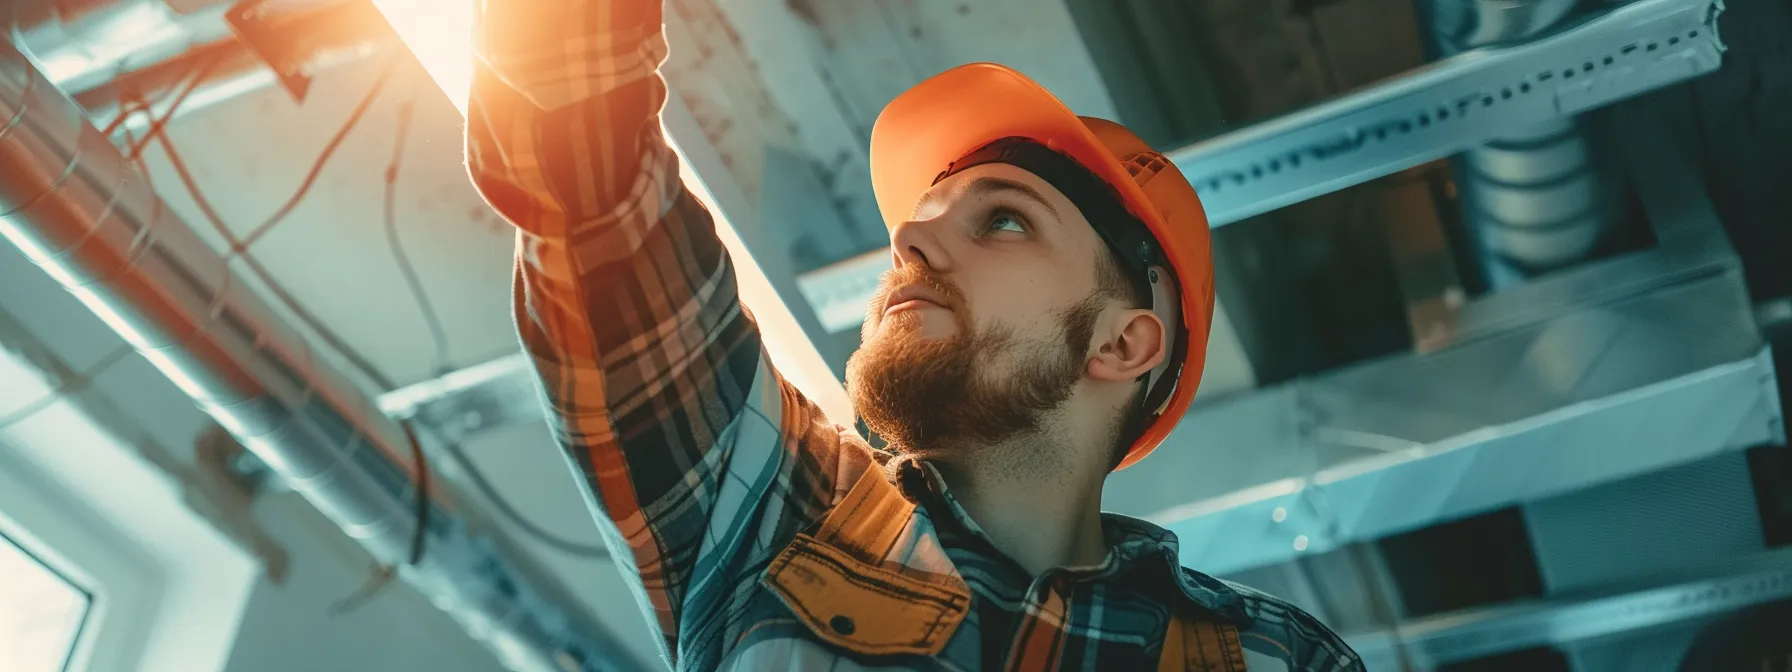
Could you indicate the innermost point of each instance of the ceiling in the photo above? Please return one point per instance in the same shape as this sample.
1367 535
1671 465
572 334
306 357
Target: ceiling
773 104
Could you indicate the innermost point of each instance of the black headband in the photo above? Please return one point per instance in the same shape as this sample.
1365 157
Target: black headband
1124 233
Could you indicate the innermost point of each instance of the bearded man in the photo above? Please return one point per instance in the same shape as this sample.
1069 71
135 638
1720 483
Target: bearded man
1045 323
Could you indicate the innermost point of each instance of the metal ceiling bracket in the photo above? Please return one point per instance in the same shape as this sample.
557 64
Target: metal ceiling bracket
1455 104
458 404
289 37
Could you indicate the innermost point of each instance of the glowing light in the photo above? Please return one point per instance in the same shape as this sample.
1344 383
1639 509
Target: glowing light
785 342
440 34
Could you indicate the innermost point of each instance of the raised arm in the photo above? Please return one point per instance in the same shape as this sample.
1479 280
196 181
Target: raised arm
697 456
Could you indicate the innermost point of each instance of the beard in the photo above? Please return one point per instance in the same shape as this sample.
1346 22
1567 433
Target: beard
944 395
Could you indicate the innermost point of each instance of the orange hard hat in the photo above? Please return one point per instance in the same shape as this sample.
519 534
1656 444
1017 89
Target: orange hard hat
928 128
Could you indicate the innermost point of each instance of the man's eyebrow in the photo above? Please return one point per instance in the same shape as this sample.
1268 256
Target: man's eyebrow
989 185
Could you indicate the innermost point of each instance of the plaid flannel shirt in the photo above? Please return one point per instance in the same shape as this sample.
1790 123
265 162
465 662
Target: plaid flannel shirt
763 536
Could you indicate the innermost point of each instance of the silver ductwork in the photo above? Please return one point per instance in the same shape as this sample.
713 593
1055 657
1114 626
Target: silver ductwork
77 209
1532 199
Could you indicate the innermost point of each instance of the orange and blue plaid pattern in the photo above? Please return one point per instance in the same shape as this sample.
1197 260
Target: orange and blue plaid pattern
700 462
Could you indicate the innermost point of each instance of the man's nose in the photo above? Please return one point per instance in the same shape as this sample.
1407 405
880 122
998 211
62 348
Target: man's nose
920 242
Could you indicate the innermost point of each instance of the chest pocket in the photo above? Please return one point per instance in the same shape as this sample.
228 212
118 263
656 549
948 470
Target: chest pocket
1197 640
836 584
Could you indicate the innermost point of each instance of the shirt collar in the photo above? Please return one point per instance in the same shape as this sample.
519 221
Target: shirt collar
1133 544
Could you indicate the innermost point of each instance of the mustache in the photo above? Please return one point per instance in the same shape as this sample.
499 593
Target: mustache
896 279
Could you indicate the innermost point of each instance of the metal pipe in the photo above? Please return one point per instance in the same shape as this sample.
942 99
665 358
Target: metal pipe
1533 199
74 205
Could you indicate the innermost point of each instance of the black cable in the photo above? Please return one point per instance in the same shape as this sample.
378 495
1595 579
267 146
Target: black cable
510 512
317 166
381 575
427 307
390 220
329 336
504 506
422 519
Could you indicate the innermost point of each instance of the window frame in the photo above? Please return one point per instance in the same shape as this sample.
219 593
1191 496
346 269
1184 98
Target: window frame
124 582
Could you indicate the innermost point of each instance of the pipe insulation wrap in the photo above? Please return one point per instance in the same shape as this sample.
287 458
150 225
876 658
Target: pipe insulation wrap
1533 199
77 208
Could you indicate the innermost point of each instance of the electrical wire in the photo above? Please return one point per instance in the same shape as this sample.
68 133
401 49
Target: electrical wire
419 533
240 247
323 157
317 326
427 307
389 218
127 109
157 125
381 574
509 511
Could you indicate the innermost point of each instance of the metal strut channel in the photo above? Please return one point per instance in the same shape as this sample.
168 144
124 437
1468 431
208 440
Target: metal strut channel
1471 634
1427 114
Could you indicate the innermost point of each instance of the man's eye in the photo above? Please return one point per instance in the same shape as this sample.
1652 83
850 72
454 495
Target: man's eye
1003 221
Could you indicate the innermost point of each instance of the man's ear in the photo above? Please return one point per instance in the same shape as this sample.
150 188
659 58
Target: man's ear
1135 345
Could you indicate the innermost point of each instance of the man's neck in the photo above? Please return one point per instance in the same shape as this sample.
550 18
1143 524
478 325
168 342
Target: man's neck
1040 517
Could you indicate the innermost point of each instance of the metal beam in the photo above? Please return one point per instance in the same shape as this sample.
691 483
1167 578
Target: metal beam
1468 635
495 393
1427 114
1596 395
1607 370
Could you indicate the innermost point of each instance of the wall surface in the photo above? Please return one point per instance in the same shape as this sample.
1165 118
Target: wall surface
291 627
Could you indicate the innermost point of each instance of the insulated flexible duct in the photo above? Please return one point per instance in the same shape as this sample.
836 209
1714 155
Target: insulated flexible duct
74 205
1533 200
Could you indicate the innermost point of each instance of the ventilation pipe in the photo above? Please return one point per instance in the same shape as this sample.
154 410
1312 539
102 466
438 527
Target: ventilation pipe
77 209
1533 200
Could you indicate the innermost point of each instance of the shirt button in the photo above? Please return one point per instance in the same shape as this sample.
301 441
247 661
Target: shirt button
842 625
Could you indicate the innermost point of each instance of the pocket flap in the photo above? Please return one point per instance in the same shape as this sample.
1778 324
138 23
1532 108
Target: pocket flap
864 608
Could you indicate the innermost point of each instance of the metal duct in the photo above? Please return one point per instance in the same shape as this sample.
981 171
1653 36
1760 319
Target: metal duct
73 204
83 43
1533 201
